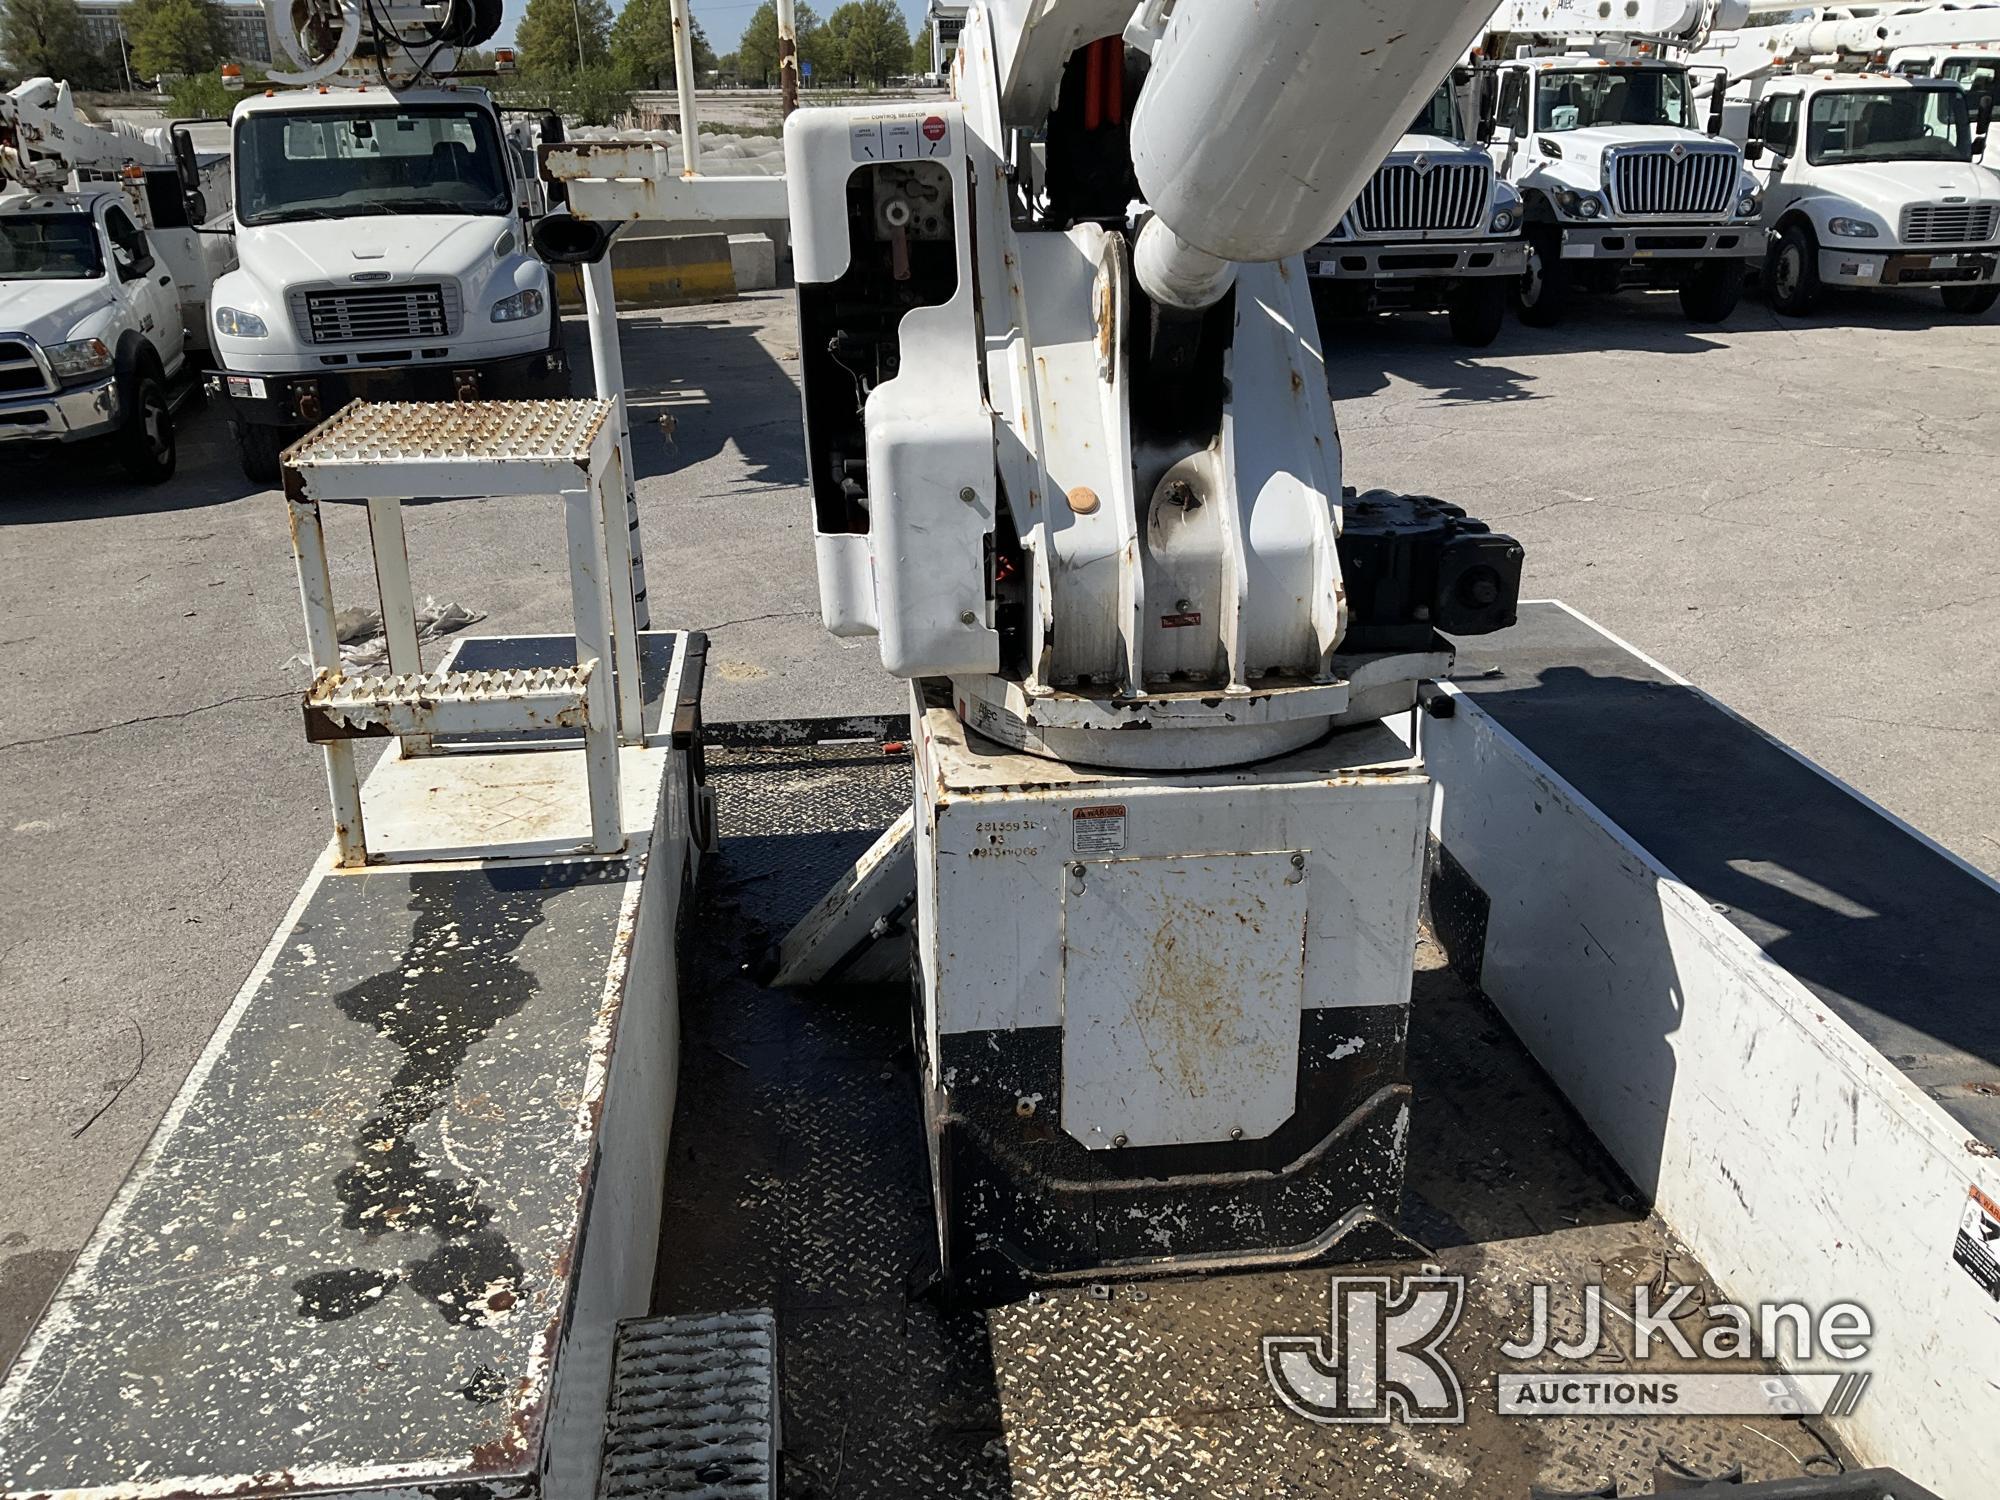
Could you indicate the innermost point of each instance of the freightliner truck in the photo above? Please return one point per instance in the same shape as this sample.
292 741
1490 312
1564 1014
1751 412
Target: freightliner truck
383 244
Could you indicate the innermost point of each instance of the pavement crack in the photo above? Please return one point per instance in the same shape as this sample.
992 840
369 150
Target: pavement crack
783 614
186 713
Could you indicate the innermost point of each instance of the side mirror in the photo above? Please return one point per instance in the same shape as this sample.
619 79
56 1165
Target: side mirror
1489 113
1753 151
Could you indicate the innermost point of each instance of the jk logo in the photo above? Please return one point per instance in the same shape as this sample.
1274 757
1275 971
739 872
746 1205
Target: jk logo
1384 1360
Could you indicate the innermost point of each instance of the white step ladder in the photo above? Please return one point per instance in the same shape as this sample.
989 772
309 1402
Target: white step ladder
386 453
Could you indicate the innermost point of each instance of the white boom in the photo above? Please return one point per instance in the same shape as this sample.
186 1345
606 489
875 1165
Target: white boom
45 143
1847 37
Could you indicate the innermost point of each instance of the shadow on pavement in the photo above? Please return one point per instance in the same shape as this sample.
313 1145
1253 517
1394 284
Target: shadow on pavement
84 482
696 387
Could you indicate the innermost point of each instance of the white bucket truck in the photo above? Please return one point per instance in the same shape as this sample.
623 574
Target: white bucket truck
1434 227
1870 176
1621 180
103 275
382 235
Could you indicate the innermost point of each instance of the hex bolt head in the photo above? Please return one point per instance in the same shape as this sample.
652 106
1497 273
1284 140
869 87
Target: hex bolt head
967 617
1077 871
1298 861
969 495
1120 1139
1236 1132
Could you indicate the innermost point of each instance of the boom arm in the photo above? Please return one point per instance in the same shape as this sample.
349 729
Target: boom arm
1848 35
45 142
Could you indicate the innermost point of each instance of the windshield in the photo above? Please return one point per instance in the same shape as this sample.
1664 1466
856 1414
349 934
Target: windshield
49 247
336 164
1438 117
1567 100
1907 124
1980 75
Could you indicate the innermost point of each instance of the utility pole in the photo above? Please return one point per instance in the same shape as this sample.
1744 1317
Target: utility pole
576 10
788 55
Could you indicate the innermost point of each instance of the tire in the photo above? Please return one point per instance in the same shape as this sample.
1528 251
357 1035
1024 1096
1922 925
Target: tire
1791 271
1478 309
257 448
146 447
1711 291
1543 295
1970 301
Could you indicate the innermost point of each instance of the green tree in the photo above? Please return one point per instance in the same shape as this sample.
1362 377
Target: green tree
920 50
642 46
868 41
558 38
46 37
173 37
757 53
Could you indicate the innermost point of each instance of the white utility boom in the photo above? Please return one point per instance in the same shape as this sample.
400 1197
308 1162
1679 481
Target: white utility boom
1845 38
46 143
1074 465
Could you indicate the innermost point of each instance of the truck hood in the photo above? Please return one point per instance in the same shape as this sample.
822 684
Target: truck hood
1886 188
404 245
1440 149
1592 140
50 312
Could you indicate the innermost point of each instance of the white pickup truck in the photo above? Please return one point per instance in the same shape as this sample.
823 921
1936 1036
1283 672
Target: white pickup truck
103 276
1872 180
383 253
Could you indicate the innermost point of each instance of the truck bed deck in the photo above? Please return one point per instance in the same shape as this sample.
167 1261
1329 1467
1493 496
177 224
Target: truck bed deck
797 1182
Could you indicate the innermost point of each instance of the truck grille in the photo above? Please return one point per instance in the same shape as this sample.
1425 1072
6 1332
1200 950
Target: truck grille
1401 198
428 310
1948 223
19 372
1651 182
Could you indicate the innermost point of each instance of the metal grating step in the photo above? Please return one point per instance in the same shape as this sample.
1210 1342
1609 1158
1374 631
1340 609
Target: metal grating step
694 1409
375 433
339 707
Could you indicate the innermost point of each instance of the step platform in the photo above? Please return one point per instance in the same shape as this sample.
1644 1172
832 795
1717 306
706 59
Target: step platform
1771 1000
385 1236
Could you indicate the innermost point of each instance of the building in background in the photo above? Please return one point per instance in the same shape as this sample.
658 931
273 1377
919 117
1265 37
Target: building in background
947 20
244 36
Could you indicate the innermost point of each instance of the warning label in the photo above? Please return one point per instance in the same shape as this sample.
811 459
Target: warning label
1098 830
898 137
1978 1235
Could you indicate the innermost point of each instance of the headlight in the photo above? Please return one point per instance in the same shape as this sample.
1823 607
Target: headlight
78 360
233 323
521 305
1747 206
1588 208
1853 229
1503 221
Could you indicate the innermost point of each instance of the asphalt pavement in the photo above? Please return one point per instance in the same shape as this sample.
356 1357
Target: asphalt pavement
1796 516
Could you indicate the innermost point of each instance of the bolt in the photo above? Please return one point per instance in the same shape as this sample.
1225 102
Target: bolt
969 495
967 617
1236 1132
1119 1139
1077 871
1298 861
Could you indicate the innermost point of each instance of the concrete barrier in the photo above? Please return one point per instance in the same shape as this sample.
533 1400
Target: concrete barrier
755 261
669 270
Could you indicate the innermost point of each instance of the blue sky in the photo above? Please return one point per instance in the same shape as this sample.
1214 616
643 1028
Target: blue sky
722 20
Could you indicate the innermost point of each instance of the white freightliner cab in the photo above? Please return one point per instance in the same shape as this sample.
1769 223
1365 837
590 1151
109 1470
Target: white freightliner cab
1620 183
1975 69
1434 227
383 253
1873 180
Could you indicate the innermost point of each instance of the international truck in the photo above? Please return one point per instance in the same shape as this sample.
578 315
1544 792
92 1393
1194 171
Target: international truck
1621 183
1434 227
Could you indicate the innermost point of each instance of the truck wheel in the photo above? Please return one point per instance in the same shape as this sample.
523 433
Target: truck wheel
1711 290
146 447
1544 290
258 449
1970 300
1477 309
1791 271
